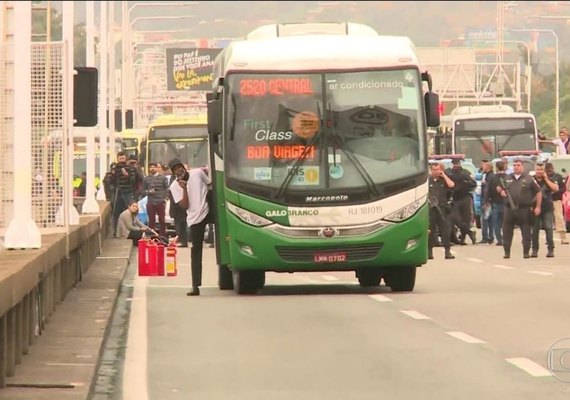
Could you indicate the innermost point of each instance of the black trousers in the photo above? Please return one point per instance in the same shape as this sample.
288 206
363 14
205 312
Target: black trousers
461 215
438 224
135 236
516 217
197 235
181 228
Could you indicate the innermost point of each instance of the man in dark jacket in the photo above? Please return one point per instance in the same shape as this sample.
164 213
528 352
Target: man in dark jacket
155 187
125 181
496 201
462 211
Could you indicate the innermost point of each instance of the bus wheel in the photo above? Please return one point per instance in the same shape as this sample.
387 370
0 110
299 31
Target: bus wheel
248 282
401 279
369 277
225 279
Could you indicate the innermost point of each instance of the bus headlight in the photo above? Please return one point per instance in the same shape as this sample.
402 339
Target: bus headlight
406 212
248 217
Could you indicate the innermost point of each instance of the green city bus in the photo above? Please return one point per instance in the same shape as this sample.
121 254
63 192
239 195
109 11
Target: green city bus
319 152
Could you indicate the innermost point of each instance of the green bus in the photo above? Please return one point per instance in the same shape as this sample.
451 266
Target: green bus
319 155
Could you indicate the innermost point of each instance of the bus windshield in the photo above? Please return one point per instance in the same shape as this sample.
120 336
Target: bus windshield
482 139
307 133
192 153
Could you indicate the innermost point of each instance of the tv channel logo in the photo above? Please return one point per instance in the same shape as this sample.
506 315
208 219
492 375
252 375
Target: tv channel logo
558 360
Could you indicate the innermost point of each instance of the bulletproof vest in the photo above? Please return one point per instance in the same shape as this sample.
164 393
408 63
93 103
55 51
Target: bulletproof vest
522 190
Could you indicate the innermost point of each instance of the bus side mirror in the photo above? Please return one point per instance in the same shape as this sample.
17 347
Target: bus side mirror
214 102
431 101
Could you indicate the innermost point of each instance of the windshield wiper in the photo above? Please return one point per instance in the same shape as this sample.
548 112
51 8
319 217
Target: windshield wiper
352 157
295 168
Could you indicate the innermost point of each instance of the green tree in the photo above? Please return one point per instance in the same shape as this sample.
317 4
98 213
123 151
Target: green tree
543 101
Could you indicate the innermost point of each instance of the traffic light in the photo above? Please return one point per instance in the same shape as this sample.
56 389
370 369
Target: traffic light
440 108
85 96
119 120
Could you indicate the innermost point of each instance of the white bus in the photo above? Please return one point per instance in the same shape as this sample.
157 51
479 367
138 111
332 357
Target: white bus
482 132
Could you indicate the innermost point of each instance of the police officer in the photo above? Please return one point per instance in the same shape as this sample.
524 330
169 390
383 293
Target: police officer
438 196
462 210
546 218
519 191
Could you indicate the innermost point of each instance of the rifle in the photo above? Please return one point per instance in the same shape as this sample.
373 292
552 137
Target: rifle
509 197
434 202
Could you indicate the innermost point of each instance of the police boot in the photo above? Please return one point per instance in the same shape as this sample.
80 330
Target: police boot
448 255
550 254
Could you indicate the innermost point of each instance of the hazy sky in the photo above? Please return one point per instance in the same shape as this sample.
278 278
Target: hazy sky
427 23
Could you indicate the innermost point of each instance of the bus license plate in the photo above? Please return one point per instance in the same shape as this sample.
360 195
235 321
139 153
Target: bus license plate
330 257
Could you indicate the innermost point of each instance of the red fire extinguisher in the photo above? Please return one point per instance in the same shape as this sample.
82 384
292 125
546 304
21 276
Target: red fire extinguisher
171 260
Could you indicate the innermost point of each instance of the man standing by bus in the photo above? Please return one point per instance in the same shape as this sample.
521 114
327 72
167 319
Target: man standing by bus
190 191
438 197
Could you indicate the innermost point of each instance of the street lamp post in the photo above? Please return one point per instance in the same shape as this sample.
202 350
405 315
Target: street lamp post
557 91
129 54
126 35
528 68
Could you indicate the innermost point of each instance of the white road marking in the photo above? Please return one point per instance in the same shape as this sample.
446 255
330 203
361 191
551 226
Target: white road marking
502 266
135 368
380 297
188 287
329 278
112 258
58 364
464 337
414 314
475 260
529 366
540 273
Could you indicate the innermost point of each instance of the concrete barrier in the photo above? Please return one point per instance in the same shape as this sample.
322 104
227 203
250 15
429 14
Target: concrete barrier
33 282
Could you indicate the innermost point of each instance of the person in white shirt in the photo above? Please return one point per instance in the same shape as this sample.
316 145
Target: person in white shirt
563 142
190 191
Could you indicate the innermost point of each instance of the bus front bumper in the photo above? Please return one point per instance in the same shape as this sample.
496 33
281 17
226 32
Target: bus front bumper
397 244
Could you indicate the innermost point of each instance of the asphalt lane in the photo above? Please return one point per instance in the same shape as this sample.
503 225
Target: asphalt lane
475 327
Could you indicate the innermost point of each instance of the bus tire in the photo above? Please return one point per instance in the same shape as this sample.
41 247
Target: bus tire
401 279
225 279
248 282
369 277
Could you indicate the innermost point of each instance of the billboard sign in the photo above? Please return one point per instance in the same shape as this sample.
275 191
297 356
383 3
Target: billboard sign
190 68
